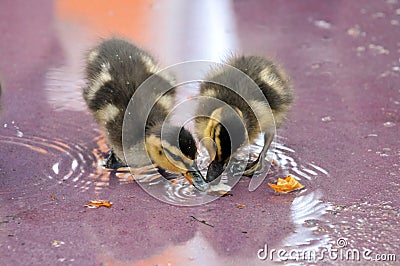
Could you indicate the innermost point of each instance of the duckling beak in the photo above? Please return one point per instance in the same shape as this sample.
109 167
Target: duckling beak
196 179
215 169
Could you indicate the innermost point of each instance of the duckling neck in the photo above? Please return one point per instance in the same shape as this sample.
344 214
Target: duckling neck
228 130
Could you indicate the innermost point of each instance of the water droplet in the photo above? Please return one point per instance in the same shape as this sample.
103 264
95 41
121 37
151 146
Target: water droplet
74 164
326 119
20 133
389 124
5 125
354 31
56 169
323 24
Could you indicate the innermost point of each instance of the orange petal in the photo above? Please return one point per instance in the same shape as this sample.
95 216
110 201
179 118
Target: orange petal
286 185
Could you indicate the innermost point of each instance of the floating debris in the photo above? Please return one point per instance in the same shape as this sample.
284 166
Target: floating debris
323 24
354 31
240 205
326 119
94 204
57 243
389 124
201 221
286 185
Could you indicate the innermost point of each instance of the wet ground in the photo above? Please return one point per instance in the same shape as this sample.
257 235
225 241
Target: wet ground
342 138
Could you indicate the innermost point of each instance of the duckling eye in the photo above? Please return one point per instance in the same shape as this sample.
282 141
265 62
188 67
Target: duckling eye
160 152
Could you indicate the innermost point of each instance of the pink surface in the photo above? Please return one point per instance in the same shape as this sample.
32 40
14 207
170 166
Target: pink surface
342 138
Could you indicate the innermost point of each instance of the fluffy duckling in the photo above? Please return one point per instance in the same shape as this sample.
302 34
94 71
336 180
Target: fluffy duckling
114 71
234 121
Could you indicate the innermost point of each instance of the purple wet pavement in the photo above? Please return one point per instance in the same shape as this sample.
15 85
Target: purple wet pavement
344 60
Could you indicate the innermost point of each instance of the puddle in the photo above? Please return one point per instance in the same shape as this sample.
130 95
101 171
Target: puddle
64 164
308 215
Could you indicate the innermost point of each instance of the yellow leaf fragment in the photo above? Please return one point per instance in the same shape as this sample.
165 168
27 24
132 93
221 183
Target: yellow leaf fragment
286 185
99 203
57 243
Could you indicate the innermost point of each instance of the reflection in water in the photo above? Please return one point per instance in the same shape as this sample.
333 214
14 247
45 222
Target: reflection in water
307 209
64 83
184 19
73 164
306 212
178 191
81 166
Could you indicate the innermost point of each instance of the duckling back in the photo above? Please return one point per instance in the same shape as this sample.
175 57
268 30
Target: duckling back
268 77
272 81
115 69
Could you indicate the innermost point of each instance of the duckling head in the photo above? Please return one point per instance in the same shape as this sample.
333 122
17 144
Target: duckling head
225 133
174 149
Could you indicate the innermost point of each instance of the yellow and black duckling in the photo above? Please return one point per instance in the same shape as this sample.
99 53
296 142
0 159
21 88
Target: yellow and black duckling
238 116
115 69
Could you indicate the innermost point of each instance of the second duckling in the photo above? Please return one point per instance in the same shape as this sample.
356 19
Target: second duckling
220 122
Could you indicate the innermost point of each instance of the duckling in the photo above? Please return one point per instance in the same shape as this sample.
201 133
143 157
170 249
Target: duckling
114 71
238 115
